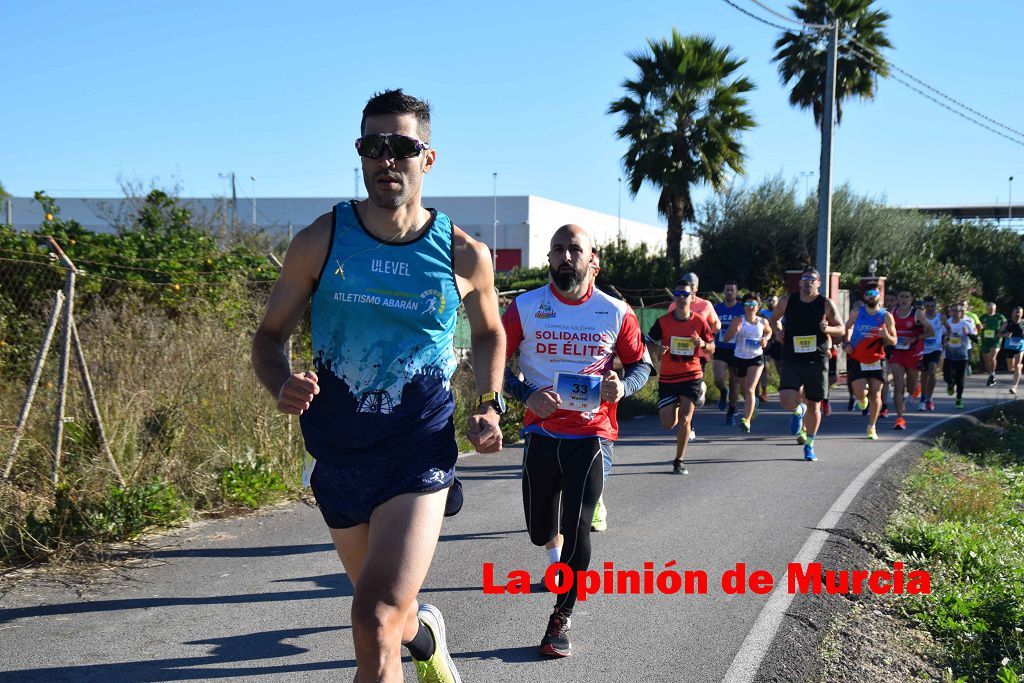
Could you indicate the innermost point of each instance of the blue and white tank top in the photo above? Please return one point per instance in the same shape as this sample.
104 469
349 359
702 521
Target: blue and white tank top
383 324
958 344
726 314
934 342
748 338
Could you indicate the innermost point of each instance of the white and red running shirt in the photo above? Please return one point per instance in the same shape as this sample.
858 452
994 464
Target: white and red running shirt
553 334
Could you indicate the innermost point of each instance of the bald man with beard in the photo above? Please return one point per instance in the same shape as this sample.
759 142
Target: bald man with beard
568 335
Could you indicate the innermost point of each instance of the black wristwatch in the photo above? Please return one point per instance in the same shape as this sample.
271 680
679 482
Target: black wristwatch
495 399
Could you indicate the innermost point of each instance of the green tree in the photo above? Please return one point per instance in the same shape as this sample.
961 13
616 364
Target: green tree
802 56
683 116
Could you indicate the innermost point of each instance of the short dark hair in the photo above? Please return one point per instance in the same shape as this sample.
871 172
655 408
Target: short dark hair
811 269
683 282
869 284
929 299
751 296
730 282
397 102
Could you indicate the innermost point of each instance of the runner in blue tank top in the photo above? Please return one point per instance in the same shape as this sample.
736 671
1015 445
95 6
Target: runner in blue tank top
386 277
726 380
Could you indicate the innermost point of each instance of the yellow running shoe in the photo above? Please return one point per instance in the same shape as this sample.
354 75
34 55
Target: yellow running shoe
439 668
600 520
872 434
862 405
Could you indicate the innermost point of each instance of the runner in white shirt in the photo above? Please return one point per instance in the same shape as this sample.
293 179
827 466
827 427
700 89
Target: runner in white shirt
751 334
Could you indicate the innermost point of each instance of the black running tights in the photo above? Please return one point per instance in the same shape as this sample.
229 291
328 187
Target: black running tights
562 480
957 372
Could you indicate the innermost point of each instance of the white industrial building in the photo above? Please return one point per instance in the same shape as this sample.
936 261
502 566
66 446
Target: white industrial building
524 223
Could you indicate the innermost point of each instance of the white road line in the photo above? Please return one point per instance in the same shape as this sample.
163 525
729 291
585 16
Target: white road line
755 646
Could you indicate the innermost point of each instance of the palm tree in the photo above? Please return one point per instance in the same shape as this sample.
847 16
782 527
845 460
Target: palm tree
801 56
683 117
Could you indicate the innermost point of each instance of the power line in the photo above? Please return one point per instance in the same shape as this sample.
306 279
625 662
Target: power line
754 16
812 27
937 91
942 104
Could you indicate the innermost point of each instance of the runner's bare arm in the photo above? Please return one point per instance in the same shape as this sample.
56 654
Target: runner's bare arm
922 320
889 329
848 337
285 306
835 327
734 329
475 279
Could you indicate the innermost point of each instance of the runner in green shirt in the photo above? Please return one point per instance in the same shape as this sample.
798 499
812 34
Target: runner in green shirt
991 324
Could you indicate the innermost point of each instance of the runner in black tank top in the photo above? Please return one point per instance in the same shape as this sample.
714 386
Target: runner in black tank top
810 319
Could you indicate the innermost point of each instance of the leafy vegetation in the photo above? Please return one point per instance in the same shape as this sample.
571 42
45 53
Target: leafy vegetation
962 519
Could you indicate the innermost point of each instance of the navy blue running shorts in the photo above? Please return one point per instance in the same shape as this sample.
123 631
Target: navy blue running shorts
347 491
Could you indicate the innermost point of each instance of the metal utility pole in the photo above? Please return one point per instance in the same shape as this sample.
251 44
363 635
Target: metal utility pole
495 234
1009 205
825 175
253 203
10 211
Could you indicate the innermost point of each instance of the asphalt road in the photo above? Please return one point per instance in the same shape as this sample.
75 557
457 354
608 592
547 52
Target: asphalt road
263 597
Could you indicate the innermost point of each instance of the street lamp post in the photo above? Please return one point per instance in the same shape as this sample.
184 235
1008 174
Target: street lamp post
494 253
1009 204
253 179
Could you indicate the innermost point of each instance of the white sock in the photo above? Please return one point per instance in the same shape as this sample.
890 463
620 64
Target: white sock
554 554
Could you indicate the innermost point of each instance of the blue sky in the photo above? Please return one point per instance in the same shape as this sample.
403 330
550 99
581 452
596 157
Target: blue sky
176 92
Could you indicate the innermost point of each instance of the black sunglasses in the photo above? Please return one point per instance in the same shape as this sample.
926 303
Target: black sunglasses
681 293
401 146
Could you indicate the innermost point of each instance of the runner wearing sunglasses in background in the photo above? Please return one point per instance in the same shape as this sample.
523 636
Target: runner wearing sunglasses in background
386 277
810 319
726 380
868 331
677 338
1013 345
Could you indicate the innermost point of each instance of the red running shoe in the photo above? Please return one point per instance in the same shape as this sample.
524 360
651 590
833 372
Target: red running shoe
900 423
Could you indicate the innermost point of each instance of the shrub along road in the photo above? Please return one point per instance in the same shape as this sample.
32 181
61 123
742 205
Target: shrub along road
262 597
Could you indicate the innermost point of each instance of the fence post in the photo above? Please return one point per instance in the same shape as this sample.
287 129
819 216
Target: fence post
37 372
90 395
65 358
276 262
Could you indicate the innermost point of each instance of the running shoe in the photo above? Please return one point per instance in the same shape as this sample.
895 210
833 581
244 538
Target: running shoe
922 406
745 425
693 435
872 433
679 468
723 399
884 412
809 452
1013 390
930 406
850 404
763 395
600 520
796 420
959 403
826 407
949 389
556 639
990 381
862 406
900 423
730 417
702 395
439 668
801 437
916 393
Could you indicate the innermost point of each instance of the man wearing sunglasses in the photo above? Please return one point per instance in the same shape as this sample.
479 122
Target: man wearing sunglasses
568 335
810 319
726 379
677 338
385 278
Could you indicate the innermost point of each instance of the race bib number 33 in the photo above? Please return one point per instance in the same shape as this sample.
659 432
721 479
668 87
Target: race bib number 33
805 344
579 393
